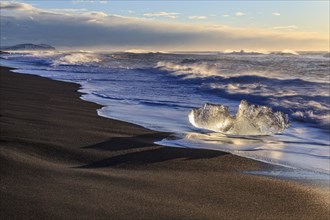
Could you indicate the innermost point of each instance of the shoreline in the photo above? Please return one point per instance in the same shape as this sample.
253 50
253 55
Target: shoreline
59 159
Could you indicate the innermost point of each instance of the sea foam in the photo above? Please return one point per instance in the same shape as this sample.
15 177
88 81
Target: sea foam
77 59
249 120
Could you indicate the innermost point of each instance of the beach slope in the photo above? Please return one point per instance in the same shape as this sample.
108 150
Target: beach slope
60 160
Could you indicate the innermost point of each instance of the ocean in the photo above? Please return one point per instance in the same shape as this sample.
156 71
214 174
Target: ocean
159 90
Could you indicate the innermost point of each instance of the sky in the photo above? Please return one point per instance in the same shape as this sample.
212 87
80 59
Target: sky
167 25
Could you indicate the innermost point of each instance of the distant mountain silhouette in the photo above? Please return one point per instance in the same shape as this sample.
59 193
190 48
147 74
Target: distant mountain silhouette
29 47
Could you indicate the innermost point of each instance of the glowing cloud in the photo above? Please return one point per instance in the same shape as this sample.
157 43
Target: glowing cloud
288 28
239 14
67 28
162 14
197 17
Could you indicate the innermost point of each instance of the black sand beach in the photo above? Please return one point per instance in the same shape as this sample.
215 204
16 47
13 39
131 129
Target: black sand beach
60 160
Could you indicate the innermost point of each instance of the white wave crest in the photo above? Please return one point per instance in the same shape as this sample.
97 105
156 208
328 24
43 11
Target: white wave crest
289 52
204 69
40 53
311 116
190 70
245 52
249 120
77 59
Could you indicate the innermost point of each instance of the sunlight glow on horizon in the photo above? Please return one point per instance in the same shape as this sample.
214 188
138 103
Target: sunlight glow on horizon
172 28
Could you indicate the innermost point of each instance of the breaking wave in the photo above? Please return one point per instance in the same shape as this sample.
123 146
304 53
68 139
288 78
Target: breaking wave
77 59
189 69
288 52
311 116
249 120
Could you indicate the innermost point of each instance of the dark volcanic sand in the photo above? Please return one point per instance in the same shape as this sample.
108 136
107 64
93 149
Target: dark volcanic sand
59 160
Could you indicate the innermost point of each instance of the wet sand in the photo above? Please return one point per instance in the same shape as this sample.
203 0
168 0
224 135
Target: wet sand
60 160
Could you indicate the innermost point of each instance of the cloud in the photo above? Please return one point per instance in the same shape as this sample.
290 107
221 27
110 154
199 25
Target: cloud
16 6
68 10
289 27
98 30
239 14
162 14
95 14
197 17
225 15
276 14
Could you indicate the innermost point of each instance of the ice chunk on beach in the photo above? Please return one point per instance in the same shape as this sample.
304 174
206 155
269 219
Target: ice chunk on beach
249 120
